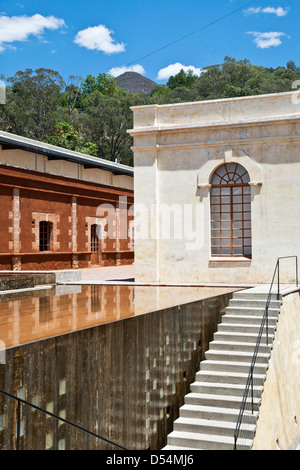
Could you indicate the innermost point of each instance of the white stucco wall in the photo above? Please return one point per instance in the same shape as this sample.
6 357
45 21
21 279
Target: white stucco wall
177 148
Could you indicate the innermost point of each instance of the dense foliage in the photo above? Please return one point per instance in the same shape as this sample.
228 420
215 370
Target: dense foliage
92 116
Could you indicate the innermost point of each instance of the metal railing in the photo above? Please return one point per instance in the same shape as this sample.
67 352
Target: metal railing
249 388
18 424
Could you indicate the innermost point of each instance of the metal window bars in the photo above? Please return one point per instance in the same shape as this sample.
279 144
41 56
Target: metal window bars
230 202
45 229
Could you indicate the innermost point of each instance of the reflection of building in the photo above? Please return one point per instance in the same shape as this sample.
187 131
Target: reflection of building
49 199
123 380
63 310
218 182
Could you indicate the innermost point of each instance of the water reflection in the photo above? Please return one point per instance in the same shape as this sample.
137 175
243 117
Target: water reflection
32 319
104 363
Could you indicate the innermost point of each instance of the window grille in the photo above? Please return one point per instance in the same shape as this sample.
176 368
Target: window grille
45 235
230 200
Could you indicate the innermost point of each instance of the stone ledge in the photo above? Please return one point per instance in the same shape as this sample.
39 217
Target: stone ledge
231 259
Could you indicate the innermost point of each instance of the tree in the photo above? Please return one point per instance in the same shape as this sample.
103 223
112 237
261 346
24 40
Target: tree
12 118
71 96
103 83
182 79
158 95
93 116
105 120
241 78
67 137
210 84
33 103
292 66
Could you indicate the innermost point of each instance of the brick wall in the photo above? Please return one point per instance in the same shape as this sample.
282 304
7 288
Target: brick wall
70 206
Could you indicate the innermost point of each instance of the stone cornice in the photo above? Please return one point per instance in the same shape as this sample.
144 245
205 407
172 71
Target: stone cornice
293 119
237 99
218 143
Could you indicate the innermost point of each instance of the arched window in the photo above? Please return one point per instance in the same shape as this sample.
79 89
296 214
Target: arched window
45 230
230 211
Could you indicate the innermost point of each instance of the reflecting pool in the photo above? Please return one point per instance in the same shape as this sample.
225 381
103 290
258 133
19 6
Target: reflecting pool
116 360
65 309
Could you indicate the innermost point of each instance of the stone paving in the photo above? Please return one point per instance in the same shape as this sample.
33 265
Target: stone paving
125 274
109 273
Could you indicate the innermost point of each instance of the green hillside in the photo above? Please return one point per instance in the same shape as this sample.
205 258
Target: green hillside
92 115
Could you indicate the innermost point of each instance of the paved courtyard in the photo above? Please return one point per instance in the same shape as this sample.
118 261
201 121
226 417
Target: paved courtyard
109 273
125 274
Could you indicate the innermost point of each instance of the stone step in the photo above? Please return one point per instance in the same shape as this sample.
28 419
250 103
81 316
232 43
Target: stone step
244 337
237 346
216 413
229 366
251 311
246 294
254 303
223 389
173 448
238 378
210 426
208 418
199 441
236 356
220 401
242 319
245 328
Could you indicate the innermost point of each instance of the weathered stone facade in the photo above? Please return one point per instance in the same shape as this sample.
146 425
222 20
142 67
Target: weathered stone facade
178 148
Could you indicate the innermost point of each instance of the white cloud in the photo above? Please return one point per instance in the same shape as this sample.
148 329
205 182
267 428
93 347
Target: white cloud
266 40
277 11
19 28
116 71
271 10
174 69
99 38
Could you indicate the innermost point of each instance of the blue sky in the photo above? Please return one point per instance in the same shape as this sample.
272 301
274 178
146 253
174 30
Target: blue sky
92 36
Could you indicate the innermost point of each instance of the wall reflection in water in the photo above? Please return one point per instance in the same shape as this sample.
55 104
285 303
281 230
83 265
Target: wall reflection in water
97 358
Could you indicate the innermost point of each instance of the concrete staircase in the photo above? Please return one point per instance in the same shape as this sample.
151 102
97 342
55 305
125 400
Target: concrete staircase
208 418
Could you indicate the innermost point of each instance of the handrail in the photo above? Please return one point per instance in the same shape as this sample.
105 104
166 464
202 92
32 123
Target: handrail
249 383
21 400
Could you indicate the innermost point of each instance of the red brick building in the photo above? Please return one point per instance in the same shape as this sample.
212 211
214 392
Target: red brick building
49 216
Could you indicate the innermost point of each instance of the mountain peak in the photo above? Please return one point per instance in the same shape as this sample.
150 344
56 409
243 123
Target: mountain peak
135 83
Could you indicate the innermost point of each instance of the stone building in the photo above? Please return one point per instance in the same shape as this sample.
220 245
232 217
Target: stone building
217 189
49 212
